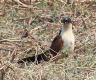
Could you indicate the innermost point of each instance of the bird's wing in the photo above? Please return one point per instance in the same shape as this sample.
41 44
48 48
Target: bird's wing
56 45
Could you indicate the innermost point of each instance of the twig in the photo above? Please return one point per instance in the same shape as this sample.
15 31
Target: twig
28 6
6 49
13 40
14 53
8 40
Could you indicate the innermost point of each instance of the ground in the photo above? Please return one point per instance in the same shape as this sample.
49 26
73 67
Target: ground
26 30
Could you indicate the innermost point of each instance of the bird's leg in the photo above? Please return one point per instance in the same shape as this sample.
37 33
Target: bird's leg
65 52
72 54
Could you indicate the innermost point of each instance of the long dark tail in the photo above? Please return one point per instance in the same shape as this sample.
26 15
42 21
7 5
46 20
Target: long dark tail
36 58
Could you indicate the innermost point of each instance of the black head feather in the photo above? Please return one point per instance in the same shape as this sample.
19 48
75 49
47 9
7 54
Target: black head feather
66 20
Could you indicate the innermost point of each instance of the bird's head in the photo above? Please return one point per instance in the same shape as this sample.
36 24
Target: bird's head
67 22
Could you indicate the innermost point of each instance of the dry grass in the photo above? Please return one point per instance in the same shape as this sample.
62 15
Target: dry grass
41 19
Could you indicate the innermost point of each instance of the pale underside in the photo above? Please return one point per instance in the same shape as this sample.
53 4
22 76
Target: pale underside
68 43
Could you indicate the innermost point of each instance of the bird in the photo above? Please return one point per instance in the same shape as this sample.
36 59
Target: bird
64 41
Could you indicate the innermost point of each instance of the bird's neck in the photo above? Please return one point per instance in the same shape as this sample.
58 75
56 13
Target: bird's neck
66 29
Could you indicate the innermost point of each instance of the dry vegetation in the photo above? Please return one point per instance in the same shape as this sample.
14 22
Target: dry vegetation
41 18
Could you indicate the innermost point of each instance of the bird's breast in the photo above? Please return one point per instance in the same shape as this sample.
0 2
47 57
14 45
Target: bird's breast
69 40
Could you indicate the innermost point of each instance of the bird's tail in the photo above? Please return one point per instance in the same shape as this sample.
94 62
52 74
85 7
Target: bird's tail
36 58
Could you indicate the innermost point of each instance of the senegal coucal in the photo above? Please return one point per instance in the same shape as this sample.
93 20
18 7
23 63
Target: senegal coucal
64 41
